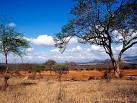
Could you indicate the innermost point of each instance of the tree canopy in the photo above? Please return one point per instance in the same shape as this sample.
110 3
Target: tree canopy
11 41
104 23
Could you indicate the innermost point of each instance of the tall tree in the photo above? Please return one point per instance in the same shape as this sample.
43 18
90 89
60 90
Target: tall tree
105 23
11 42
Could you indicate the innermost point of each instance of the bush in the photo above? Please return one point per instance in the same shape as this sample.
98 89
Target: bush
49 64
60 69
2 68
38 68
7 77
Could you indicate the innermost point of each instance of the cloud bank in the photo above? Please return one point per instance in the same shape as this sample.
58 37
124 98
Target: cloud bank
43 49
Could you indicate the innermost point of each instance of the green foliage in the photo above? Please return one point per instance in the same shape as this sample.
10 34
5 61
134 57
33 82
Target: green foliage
50 63
2 68
38 68
12 41
60 68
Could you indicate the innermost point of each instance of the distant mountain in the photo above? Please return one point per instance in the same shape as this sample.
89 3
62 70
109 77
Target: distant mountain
131 59
128 59
95 62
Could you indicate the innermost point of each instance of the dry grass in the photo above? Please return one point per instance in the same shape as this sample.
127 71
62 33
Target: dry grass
94 91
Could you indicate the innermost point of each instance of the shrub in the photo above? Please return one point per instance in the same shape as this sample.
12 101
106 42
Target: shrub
2 68
38 68
49 64
60 69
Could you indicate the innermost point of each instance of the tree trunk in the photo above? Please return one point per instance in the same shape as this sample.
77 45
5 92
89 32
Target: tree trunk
60 96
6 77
50 70
117 70
5 83
115 65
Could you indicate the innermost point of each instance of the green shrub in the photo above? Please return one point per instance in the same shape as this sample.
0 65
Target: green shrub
38 68
60 68
2 68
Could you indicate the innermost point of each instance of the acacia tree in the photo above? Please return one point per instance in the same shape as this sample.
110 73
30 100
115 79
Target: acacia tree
102 22
11 42
50 64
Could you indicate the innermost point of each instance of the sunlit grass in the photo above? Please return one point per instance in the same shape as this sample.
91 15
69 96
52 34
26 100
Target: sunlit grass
94 91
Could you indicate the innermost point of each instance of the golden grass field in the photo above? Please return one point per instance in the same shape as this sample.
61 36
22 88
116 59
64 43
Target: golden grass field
48 91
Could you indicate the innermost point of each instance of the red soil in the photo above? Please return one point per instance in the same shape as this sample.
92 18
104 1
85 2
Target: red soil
74 75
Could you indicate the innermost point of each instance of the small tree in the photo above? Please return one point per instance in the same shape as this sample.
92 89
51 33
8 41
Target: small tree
50 64
71 65
11 42
60 69
37 69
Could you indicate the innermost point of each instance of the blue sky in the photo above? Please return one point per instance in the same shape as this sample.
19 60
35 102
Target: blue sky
34 17
39 20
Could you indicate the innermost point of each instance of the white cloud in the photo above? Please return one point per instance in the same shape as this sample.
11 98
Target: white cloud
35 57
74 52
131 51
85 54
118 48
80 54
73 40
95 47
117 35
56 50
134 34
76 49
44 40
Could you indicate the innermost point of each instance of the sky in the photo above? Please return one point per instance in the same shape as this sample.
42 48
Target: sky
39 21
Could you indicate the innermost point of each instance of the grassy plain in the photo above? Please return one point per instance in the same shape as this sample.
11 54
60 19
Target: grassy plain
48 91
